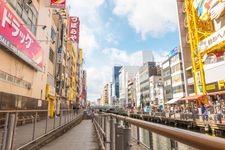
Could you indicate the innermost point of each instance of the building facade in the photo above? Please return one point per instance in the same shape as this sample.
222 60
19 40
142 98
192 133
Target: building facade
156 90
146 71
115 83
185 49
173 76
126 73
37 62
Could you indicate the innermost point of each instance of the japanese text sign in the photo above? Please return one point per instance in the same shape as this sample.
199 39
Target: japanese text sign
15 37
74 29
58 3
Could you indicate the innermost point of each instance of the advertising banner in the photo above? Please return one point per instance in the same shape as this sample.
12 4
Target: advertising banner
16 38
74 29
81 56
58 3
211 11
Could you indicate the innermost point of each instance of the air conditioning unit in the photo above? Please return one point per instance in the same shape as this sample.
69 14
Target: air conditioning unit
28 85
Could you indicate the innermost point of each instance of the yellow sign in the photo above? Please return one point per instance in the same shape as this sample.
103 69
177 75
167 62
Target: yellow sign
221 84
81 56
210 87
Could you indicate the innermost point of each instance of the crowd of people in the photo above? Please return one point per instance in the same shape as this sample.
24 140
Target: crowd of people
213 110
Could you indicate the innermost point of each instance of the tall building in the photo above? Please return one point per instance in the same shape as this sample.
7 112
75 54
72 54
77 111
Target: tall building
172 74
115 81
156 90
110 97
105 95
185 49
146 71
126 73
137 90
131 93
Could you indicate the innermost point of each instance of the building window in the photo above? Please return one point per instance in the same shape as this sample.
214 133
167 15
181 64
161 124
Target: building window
166 73
178 89
167 82
175 58
51 55
177 78
28 13
176 68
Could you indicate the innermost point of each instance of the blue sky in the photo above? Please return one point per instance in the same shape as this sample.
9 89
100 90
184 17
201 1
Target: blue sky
115 31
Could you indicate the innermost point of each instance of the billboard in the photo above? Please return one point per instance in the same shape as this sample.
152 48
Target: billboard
74 29
211 10
58 3
17 39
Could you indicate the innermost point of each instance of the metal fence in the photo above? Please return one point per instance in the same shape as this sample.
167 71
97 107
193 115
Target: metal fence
121 129
20 127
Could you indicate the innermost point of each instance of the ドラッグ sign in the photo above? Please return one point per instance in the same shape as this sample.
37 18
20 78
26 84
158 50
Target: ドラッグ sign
16 38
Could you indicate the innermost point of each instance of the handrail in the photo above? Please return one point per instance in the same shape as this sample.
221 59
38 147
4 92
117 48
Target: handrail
34 110
22 111
100 129
187 137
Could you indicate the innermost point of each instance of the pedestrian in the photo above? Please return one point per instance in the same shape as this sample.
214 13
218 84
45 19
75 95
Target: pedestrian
204 112
92 115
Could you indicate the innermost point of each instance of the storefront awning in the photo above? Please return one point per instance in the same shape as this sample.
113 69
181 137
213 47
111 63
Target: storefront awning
216 93
195 97
174 100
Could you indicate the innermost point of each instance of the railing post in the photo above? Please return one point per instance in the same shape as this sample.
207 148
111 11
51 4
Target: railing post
104 121
138 135
54 121
10 133
150 140
5 132
34 126
60 119
111 134
46 123
118 137
126 137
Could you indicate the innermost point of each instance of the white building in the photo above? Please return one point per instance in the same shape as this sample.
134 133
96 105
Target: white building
146 56
156 89
126 73
137 89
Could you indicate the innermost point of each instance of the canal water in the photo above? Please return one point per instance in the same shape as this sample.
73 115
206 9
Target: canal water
158 142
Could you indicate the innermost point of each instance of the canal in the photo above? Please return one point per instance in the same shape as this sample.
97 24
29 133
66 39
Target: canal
157 142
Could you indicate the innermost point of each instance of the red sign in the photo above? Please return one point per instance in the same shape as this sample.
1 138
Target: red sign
74 29
15 37
58 3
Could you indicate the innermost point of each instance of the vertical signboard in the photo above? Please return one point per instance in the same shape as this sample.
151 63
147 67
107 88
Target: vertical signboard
17 38
74 29
59 55
81 56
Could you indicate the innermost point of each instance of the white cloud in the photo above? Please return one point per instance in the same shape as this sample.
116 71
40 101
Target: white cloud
148 17
122 57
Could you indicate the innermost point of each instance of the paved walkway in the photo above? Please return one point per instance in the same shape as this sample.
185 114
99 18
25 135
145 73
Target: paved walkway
81 137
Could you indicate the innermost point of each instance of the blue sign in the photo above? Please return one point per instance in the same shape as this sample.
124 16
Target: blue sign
173 52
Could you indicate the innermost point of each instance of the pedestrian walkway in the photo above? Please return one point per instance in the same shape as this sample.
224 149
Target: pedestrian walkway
81 137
